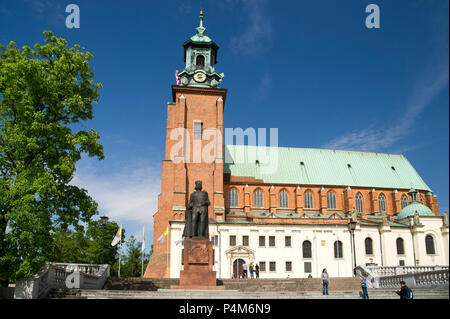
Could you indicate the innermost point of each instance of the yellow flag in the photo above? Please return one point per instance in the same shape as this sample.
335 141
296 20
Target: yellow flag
118 237
166 231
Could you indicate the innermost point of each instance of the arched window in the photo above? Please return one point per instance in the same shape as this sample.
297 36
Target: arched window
233 198
429 245
338 249
258 198
200 61
382 203
404 201
284 199
309 202
368 244
359 203
400 246
331 200
307 249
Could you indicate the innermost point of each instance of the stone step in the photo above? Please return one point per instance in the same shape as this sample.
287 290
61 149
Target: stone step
230 294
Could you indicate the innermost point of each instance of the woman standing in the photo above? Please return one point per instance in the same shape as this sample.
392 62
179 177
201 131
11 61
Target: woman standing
325 281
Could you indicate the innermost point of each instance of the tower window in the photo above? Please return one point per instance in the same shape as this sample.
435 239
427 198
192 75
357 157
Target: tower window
200 62
198 128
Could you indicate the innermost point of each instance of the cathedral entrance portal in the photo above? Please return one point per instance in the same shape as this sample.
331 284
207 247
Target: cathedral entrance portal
237 268
236 257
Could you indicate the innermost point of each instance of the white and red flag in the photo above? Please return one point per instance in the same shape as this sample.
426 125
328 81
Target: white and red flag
177 77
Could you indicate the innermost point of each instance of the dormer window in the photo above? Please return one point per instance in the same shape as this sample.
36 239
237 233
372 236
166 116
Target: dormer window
200 62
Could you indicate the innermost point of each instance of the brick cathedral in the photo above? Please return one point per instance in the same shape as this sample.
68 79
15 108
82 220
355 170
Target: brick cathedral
312 193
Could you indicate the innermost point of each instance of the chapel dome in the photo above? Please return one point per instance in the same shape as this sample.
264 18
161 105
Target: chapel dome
414 206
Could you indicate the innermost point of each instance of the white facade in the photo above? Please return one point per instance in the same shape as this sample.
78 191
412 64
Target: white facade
322 238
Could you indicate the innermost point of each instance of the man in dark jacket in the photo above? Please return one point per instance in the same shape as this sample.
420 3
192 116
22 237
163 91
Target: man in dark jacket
404 292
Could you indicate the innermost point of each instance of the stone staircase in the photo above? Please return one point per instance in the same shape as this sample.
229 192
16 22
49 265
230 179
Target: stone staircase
291 284
145 284
249 285
233 294
292 288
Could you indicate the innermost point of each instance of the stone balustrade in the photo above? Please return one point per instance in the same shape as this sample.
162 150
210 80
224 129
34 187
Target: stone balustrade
431 279
414 276
59 276
378 271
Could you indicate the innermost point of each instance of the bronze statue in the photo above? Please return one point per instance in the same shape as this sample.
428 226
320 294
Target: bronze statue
197 214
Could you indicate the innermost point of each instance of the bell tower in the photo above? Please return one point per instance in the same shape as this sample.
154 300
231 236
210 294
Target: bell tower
200 56
194 146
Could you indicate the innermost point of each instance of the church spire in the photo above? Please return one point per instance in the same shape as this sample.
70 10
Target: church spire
200 55
200 29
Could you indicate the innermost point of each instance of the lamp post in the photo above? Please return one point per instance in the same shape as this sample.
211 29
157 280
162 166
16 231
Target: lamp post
104 220
352 227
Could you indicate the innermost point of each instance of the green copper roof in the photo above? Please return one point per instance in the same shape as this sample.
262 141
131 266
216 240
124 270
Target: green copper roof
306 166
414 206
200 36
409 210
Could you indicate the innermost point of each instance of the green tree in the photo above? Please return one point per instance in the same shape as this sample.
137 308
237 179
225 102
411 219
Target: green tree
45 93
85 246
132 259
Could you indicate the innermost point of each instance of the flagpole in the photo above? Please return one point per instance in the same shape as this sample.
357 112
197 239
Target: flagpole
142 251
120 247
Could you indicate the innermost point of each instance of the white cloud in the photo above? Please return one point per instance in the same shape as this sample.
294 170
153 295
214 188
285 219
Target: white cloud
256 36
263 88
129 193
430 84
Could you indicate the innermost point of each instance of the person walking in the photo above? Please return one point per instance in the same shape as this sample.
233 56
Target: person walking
244 270
257 270
365 295
405 292
251 268
325 280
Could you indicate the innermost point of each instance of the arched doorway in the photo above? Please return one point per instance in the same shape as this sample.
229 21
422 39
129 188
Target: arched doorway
237 268
236 253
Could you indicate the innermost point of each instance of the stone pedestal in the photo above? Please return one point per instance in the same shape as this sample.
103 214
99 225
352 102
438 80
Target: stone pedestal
198 261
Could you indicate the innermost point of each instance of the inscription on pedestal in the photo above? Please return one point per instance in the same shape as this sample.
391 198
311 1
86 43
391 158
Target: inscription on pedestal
199 254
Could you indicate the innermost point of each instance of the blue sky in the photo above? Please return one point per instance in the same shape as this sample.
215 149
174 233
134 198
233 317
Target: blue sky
309 68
